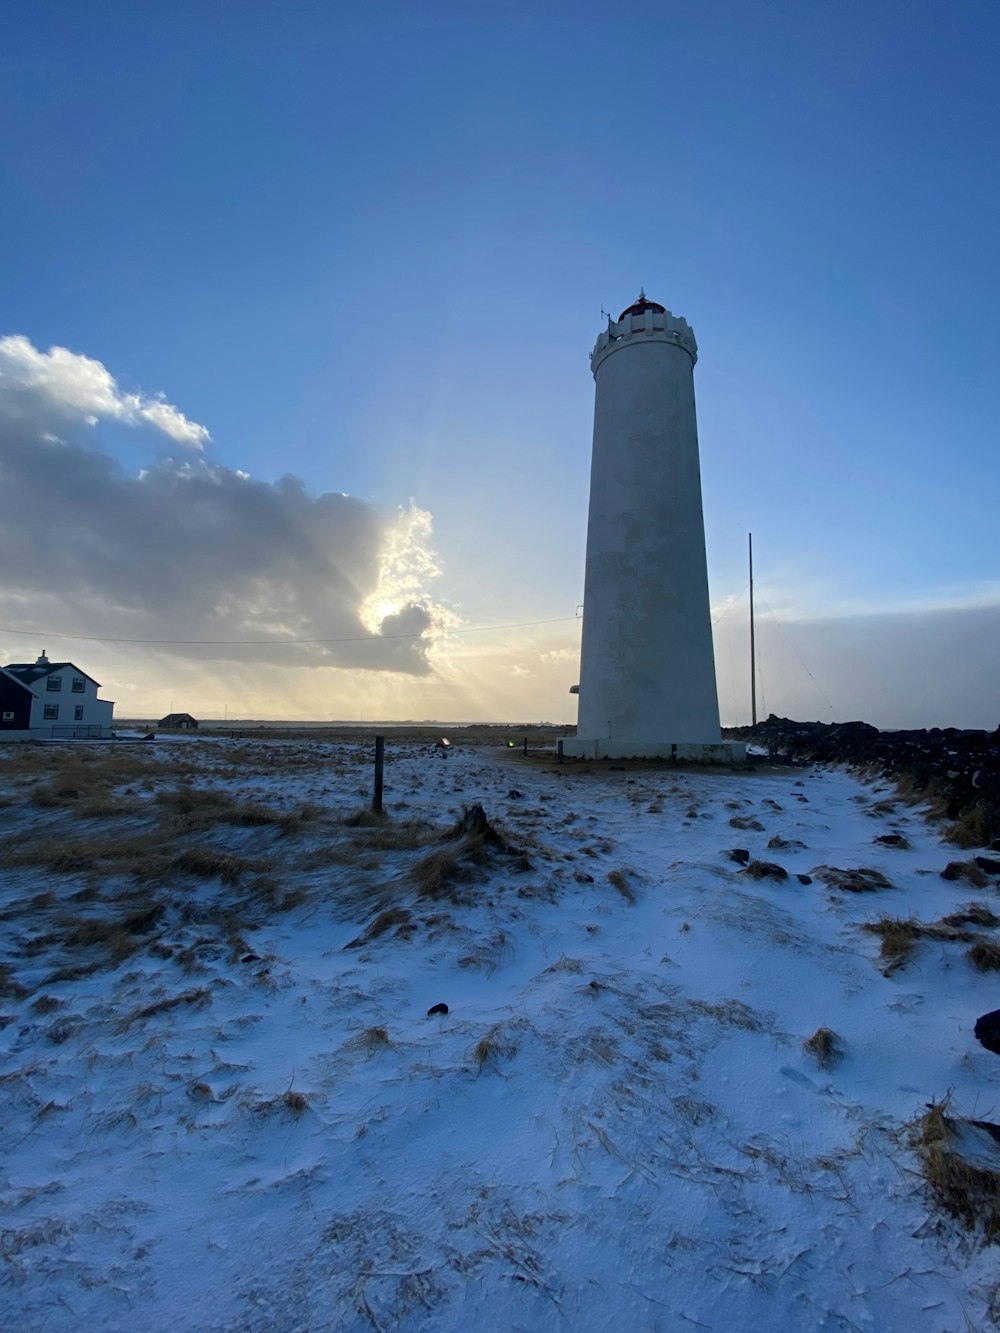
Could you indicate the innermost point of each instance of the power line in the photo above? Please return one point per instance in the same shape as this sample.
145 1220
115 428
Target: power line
279 643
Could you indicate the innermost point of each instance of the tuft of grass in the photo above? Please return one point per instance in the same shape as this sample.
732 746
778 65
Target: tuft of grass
972 828
985 956
825 1046
207 863
898 935
967 871
296 1102
391 917
617 878
9 988
436 874
197 998
747 823
374 1039
965 1190
491 1049
976 914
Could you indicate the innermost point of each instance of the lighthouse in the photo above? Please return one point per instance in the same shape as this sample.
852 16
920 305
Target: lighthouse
647 673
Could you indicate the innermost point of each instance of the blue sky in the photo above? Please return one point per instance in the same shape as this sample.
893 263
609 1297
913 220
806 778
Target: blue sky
369 246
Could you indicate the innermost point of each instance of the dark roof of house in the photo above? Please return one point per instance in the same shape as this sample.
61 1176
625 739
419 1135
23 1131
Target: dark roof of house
32 671
14 680
173 719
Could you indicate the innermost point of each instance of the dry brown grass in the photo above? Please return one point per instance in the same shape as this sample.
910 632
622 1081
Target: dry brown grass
975 914
825 1046
491 1050
899 935
393 917
374 1039
197 998
973 828
967 1191
194 809
967 871
985 956
618 880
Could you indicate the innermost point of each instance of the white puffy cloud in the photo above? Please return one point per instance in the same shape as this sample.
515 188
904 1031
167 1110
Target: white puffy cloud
63 385
201 555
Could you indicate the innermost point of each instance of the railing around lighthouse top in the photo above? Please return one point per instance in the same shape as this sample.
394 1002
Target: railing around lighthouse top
649 326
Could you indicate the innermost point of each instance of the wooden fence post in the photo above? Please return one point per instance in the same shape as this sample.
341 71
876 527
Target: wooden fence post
379 766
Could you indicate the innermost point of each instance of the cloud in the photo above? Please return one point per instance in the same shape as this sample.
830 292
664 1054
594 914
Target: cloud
192 550
62 386
905 669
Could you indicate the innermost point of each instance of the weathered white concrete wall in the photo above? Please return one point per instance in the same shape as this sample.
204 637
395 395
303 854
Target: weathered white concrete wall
647 677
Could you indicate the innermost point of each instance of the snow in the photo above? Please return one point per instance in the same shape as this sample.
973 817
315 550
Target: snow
645 1144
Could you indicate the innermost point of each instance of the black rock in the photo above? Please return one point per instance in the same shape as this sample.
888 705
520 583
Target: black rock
250 958
988 864
437 1009
740 855
890 839
514 794
988 1031
804 879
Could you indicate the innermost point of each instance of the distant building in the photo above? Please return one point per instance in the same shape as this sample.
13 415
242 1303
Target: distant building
178 722
47 700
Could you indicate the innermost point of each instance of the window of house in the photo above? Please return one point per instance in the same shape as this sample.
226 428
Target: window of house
53 683
79 712
51 712
78 685
8 717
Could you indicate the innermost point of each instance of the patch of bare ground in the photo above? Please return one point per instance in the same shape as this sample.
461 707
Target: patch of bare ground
859 880
960 1160
766 870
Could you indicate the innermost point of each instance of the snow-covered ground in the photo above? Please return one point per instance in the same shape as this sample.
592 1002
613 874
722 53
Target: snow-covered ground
235 1121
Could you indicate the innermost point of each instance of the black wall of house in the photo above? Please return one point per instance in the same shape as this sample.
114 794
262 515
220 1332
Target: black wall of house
14 698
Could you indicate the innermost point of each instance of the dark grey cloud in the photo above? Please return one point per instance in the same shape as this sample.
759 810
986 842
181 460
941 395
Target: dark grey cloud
892 669
185 550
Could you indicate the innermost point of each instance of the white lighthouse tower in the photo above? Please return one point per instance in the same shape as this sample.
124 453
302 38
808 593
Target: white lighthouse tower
647 676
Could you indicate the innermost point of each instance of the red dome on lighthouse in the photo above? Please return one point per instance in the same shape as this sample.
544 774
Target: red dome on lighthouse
642 305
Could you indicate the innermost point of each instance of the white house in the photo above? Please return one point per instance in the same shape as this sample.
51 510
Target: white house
51 701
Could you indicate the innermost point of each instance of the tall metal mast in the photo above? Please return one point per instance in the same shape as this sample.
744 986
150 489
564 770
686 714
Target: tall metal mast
753 654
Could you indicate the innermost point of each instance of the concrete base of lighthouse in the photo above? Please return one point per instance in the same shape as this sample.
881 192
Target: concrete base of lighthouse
690 752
